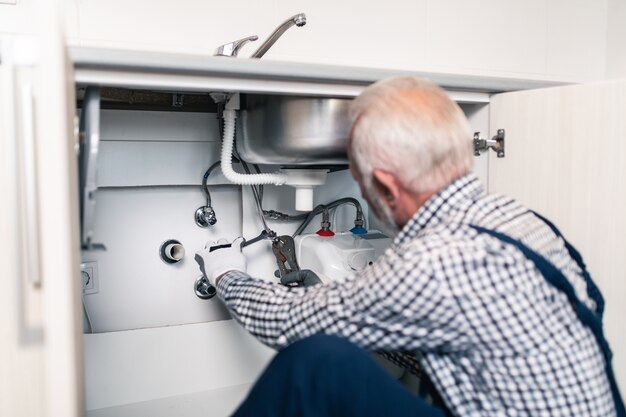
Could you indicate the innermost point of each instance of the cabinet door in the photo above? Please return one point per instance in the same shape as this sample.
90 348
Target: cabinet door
40 338
566 158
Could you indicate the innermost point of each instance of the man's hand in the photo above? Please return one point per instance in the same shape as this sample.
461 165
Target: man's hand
301 278
218 258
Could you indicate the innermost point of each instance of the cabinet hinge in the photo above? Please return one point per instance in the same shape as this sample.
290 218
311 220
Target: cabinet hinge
496 143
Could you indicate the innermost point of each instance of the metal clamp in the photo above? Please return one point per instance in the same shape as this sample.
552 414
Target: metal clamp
496 143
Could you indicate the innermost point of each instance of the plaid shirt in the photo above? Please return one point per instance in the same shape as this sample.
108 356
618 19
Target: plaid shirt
495 338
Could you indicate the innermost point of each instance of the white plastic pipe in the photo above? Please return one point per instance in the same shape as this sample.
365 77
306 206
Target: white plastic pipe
275 178
304 198
174 252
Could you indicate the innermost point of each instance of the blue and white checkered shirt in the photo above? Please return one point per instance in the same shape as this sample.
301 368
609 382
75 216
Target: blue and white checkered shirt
495 338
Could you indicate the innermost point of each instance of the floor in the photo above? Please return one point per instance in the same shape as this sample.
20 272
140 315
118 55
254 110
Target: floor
216 403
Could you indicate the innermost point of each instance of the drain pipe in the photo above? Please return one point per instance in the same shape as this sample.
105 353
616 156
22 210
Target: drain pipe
302 180
276 178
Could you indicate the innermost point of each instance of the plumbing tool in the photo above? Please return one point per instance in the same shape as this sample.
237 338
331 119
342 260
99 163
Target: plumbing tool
284 250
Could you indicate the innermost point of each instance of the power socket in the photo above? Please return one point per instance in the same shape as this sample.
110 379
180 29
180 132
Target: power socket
89 277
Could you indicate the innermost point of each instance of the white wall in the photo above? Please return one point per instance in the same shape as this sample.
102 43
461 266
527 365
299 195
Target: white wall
22 17
616 39
538 39
535 39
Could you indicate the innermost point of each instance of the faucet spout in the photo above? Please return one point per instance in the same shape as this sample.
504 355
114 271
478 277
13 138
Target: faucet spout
298 20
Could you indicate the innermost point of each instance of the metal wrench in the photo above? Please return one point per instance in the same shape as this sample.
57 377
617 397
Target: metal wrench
285 252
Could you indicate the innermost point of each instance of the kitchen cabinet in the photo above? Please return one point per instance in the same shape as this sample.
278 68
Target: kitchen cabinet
550 164
41 349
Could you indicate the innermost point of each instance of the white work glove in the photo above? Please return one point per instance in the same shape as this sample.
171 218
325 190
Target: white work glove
217 258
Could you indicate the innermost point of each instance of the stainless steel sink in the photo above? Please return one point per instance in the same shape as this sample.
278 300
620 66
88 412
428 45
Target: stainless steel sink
286 130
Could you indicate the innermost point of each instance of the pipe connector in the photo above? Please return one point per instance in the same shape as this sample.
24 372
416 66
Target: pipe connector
303 180
172 251
358 228
325 226
205 216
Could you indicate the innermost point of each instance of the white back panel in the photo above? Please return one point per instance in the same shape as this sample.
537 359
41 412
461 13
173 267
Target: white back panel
138 289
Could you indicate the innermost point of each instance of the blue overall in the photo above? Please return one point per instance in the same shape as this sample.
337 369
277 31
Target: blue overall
324 376
591 319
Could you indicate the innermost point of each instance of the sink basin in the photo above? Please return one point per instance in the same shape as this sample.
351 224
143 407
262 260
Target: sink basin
293 131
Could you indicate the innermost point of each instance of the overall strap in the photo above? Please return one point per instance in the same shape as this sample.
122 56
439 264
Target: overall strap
588 317
592 289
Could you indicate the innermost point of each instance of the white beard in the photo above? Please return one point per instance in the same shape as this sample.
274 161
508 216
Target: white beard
382 212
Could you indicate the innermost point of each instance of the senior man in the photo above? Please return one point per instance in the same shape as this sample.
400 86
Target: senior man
496 305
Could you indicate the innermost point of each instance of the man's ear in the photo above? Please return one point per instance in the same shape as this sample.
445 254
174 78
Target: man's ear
387 185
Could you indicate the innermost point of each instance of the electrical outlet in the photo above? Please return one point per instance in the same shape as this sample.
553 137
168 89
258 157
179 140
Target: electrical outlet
89 277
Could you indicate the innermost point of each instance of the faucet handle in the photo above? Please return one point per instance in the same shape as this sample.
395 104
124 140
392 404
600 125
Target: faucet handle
232 48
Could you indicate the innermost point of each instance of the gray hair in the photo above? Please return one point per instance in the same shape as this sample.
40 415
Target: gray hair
410 127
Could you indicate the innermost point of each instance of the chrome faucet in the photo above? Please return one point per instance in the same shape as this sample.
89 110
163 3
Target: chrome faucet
299 20
232 48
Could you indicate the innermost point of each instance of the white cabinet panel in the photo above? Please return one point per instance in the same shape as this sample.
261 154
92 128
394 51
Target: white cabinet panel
616 39
536 38
136 288
389 34
147 148
566 158
214 403
576 38
130 163
22 350
192 26
19 16
481 35
158 126
40 352
143 365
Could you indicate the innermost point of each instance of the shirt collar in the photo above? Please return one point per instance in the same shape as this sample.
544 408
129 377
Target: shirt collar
440 206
